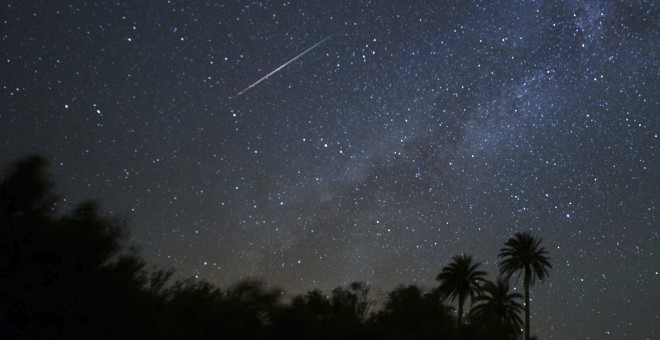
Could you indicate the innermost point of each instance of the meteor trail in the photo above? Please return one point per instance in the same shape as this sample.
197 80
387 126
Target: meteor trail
279 68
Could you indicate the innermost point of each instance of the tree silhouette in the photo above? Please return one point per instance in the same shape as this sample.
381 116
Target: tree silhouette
307 316
362 304
460 279
352 301
194 309
317 316
523 254
410 313
251 304
497 310
26 190
64 276
70 275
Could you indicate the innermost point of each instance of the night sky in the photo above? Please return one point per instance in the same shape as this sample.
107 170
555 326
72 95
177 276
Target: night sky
417 131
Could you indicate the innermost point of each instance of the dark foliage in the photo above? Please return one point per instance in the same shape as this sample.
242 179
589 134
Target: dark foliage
63 277
317 316
70 276
409 313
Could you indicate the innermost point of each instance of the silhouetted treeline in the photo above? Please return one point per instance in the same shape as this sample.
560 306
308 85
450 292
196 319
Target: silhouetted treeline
71 276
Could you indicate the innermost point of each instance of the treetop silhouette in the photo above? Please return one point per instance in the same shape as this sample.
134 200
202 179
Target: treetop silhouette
523 254
459 280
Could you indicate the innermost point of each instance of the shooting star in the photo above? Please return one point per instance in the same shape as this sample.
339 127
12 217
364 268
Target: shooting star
279 68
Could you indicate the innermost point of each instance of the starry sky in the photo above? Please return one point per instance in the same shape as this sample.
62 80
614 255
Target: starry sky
419 130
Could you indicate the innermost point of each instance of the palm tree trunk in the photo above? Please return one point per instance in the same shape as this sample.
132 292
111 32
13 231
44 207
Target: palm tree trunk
460 313
526 284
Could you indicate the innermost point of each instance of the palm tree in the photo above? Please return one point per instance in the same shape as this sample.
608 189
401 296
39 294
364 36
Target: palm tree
460 279
498 308
523 253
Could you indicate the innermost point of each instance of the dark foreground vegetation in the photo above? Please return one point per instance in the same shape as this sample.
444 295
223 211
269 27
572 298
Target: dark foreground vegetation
72 276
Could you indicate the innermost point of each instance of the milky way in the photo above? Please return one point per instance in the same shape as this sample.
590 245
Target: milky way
421 130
